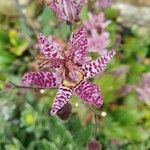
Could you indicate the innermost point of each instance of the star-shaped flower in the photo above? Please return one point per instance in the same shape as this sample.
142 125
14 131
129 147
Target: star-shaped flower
68 10
63 68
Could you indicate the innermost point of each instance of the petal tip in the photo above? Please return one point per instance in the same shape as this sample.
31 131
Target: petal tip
49 3
53 112
111 53
25 79
100 103
40 36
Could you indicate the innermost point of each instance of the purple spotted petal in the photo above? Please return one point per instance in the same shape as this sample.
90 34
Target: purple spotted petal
78 44
49 48
97 66
67 9
90 93
77 6
41 79
62 97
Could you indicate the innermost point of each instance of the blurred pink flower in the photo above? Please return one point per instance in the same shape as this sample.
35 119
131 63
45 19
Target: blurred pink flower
98 38
103 3
96 22
144 88
115 142
69 74
68 10
98 43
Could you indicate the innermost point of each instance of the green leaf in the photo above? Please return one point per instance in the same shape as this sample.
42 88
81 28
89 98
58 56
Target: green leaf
124 117
45 22
5 57
2 78
84 14
46 145
111 13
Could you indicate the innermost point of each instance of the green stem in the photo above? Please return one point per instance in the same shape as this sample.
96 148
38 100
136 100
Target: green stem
95 126
71 27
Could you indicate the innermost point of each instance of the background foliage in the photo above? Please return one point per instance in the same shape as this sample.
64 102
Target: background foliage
25 124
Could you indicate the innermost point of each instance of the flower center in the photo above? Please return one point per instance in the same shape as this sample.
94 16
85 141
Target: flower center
72 75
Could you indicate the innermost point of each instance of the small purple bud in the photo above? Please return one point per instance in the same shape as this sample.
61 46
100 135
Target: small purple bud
94 145
65 111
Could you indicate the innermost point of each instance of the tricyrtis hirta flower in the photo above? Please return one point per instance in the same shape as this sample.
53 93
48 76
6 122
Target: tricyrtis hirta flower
63 68
68 10
98 38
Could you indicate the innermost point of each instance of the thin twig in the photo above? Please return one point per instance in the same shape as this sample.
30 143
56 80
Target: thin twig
25 87
96 114
95 126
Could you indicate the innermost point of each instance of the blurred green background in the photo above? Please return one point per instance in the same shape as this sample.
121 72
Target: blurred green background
25 123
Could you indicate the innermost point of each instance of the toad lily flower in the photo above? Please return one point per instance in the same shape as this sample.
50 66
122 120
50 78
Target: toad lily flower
98 38
69 73
68 10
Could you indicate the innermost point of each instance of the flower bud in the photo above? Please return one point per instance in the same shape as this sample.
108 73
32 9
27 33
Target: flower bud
65 111
94 145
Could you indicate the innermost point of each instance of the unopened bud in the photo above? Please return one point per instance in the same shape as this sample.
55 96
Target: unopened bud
65 111
94 145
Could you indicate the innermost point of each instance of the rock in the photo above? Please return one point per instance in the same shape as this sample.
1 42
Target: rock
134 2
133 14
